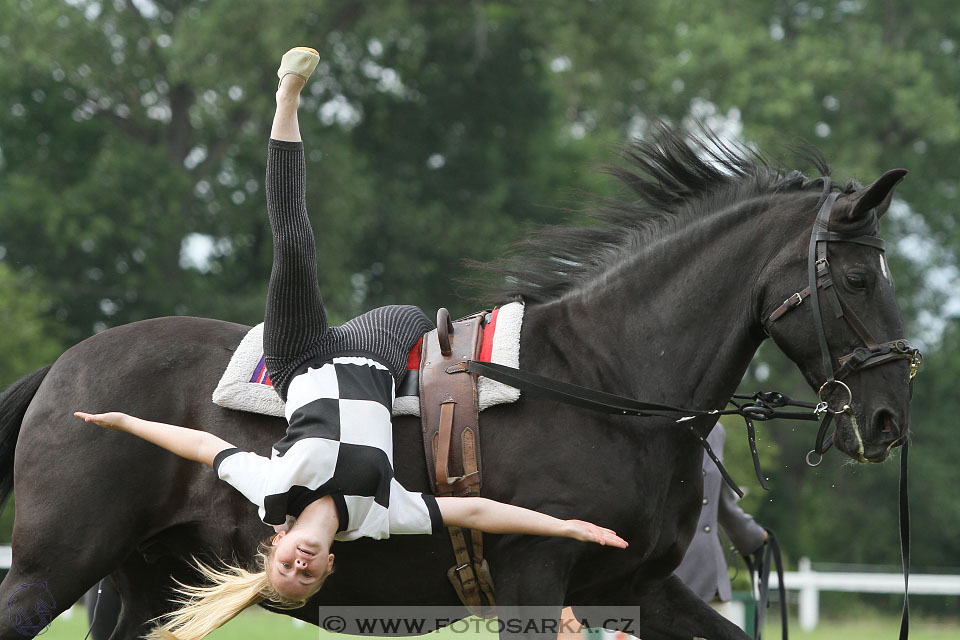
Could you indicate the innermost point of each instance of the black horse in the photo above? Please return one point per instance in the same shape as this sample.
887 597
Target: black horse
665 298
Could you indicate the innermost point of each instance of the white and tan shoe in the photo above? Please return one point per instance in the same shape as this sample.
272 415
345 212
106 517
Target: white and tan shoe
300 61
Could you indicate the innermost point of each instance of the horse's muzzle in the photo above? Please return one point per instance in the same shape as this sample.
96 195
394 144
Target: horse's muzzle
885 432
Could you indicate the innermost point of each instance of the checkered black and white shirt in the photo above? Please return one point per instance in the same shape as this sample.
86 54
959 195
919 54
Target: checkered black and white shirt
339 442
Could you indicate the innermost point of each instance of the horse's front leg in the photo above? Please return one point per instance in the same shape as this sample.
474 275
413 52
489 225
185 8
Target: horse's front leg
529 576
663 610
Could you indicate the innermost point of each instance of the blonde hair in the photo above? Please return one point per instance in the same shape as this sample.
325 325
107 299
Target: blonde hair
203 609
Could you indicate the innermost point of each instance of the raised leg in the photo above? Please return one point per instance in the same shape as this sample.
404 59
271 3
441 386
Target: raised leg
529 580
59 553
67 532
45 578
294 321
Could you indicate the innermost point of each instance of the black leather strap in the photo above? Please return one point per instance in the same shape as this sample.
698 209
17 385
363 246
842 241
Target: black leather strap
759 565
713 456
752 440
832 236
587 398
576 395
905 541
824 442
820 224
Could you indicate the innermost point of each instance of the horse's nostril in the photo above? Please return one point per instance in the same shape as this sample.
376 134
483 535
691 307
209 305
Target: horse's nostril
885 421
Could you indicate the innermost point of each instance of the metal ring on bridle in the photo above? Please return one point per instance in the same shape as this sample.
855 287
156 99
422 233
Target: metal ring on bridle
846 405
817 463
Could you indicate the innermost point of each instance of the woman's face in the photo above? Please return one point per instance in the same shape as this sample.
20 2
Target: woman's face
299 563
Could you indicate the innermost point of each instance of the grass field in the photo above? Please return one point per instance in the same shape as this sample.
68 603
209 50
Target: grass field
257 624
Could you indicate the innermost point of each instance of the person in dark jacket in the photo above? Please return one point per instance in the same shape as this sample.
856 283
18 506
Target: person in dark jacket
704 567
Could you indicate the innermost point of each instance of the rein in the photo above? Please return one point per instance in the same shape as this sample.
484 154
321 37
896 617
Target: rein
764 406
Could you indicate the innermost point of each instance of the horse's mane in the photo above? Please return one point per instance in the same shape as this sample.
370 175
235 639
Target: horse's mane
676 179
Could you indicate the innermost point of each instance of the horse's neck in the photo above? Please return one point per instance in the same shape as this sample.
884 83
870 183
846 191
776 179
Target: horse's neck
675 324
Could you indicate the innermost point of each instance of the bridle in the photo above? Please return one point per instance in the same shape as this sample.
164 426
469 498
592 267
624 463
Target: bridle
871 354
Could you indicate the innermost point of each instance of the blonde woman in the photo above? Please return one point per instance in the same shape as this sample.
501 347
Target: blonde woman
331 476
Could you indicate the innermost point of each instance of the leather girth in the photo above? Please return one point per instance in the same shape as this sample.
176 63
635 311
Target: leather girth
450 419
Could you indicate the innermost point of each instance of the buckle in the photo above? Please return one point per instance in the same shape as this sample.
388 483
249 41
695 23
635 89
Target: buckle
915 363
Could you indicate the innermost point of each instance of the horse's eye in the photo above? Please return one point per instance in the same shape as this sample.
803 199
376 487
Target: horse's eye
856 281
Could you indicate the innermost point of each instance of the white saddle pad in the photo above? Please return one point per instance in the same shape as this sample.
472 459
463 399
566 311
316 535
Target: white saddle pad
240 389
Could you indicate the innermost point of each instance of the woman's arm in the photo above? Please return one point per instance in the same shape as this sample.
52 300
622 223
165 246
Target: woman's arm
191 444
497 517
745 534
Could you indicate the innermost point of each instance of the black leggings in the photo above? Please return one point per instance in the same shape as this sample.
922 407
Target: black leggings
295 321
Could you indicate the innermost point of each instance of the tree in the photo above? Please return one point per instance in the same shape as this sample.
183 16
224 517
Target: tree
29 340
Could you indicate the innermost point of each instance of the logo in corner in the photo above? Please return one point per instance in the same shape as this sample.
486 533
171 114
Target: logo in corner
31 608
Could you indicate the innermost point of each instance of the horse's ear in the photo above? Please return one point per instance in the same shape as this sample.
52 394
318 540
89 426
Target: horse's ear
875 197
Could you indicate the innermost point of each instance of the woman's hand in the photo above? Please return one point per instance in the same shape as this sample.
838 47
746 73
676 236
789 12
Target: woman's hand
589 532
498 517
191 444
111 420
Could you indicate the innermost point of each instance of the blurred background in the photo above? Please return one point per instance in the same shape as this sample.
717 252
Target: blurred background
132 154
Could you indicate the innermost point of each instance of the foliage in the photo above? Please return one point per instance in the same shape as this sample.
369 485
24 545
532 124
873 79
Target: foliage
29 338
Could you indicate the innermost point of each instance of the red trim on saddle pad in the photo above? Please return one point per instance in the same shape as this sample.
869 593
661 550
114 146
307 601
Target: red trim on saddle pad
486 348
413 359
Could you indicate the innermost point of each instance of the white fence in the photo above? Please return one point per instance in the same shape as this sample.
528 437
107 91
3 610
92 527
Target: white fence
810 583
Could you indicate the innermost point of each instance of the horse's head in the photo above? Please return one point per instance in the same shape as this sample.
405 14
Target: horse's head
849 340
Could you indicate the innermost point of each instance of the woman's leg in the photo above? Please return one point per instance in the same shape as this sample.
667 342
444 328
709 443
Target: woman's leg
286 127
295 320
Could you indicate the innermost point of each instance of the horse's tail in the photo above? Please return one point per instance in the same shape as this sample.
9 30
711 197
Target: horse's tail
13 406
